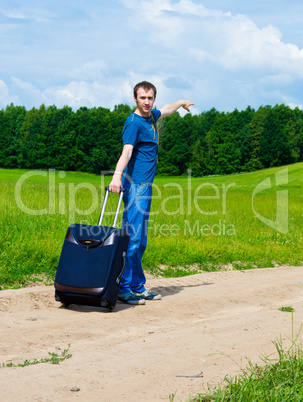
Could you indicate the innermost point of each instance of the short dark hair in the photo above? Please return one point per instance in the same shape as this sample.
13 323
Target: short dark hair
146 86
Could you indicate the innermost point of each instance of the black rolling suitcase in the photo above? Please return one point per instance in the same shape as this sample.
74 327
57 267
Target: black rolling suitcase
92 262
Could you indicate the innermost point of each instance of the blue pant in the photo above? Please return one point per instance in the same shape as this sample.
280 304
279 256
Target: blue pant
137 201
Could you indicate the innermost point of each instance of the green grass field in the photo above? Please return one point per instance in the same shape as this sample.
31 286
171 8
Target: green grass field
249 220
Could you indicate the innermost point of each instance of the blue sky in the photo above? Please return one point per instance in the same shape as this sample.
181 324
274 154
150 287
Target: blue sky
217 53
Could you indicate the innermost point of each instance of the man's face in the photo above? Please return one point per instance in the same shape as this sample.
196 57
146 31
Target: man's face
145 101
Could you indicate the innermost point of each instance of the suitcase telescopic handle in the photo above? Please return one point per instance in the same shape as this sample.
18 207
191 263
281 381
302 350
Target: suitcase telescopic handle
104 206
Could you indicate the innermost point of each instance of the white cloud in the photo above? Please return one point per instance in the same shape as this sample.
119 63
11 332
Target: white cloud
232 42
281 79
294 105
82 93
5 97
237 59
15 15
27 93
92 54
93 70
3 90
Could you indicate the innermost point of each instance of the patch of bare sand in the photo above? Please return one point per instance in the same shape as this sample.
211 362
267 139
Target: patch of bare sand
210 323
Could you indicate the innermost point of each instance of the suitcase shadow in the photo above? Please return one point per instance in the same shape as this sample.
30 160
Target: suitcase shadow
77 308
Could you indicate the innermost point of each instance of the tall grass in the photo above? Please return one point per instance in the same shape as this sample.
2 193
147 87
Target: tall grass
196 223
278 379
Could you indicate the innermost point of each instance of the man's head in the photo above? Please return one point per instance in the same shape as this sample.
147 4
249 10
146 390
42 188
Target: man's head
146 86
144 95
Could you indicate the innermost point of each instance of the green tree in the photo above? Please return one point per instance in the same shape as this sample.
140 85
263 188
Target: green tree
294 132
210 143
244 141
32 140
223 152
198 164
14 117
274 144
4 137
257 125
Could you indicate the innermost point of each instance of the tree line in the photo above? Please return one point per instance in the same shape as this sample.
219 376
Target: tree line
212 142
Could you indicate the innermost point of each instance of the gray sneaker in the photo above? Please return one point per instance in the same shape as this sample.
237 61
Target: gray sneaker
148 295
131 298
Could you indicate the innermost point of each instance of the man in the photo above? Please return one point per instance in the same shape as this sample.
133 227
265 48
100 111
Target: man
138 161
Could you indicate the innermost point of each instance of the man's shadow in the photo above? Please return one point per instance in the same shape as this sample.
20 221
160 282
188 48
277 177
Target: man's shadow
165 291
172 290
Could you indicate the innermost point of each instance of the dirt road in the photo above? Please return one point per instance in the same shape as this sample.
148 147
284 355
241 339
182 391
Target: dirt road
210 323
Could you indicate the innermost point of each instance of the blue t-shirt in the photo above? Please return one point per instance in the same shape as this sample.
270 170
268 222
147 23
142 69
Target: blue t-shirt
141 132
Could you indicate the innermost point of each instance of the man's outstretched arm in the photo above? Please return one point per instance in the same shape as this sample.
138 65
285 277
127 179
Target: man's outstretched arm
167 110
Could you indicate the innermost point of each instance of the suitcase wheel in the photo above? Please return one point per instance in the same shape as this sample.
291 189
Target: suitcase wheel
65 304
104 303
